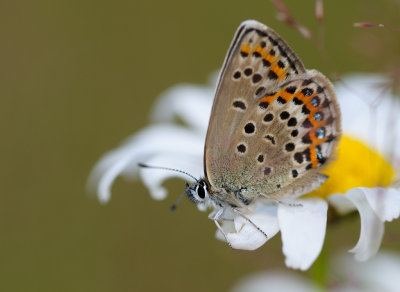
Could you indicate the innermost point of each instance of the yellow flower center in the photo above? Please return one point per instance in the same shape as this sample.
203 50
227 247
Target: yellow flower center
357 165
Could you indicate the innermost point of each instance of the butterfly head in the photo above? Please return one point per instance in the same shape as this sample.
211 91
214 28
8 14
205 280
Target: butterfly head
197 192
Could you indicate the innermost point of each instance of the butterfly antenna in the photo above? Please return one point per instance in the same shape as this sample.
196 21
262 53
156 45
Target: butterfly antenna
167 168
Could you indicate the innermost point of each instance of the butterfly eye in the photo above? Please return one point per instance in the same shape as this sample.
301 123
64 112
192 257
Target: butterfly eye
196 193
201 192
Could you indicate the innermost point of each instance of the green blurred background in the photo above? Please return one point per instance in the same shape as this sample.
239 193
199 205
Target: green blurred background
77 77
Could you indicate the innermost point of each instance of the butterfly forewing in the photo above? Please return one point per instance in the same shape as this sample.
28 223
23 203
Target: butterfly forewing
255 51
273 123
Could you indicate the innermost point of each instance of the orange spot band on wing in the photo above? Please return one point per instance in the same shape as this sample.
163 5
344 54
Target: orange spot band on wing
278 70
259 50
286 95
313 152
315 141
245 49
269 98
269 58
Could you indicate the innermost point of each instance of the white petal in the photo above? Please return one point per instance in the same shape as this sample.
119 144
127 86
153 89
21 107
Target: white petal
155 140
381 273
375 122
303 231
385 202
153 178
192 104
243 235
228 227
272 282
357 92
341 204
372 227
162 139
247 236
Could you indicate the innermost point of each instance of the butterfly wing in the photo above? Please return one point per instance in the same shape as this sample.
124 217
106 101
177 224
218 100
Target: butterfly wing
273 123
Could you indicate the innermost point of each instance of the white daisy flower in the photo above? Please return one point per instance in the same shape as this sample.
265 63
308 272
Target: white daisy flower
359 179
346 275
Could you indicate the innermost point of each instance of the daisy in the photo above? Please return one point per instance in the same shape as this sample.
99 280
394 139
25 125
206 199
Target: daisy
346 275
360 179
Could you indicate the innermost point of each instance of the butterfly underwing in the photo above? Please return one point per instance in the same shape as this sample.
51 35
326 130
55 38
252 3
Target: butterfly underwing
274 125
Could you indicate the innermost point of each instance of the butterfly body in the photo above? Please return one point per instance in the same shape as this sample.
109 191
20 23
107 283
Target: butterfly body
273 127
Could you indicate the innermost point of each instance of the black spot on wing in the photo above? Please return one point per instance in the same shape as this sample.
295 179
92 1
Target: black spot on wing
268 117
291 89
297 101
284 115
292 122
256 55
306 138
237 75
307 91
281 100
241 148
257 78
266 63
289 147
330 138
305 110
248 71
239 104
272 75
307 124
270 138
249 128
263 105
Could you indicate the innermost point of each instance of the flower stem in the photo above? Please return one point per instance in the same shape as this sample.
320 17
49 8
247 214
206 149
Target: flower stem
318 271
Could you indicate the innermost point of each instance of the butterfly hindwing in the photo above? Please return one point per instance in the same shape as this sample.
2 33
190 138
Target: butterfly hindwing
294 130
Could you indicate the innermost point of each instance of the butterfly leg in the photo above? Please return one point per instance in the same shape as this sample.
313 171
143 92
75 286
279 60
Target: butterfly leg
248 220
279 201
216 217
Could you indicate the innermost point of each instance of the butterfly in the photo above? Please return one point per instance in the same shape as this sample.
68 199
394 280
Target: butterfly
274 126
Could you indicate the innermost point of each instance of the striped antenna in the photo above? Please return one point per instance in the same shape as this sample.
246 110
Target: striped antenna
167 168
